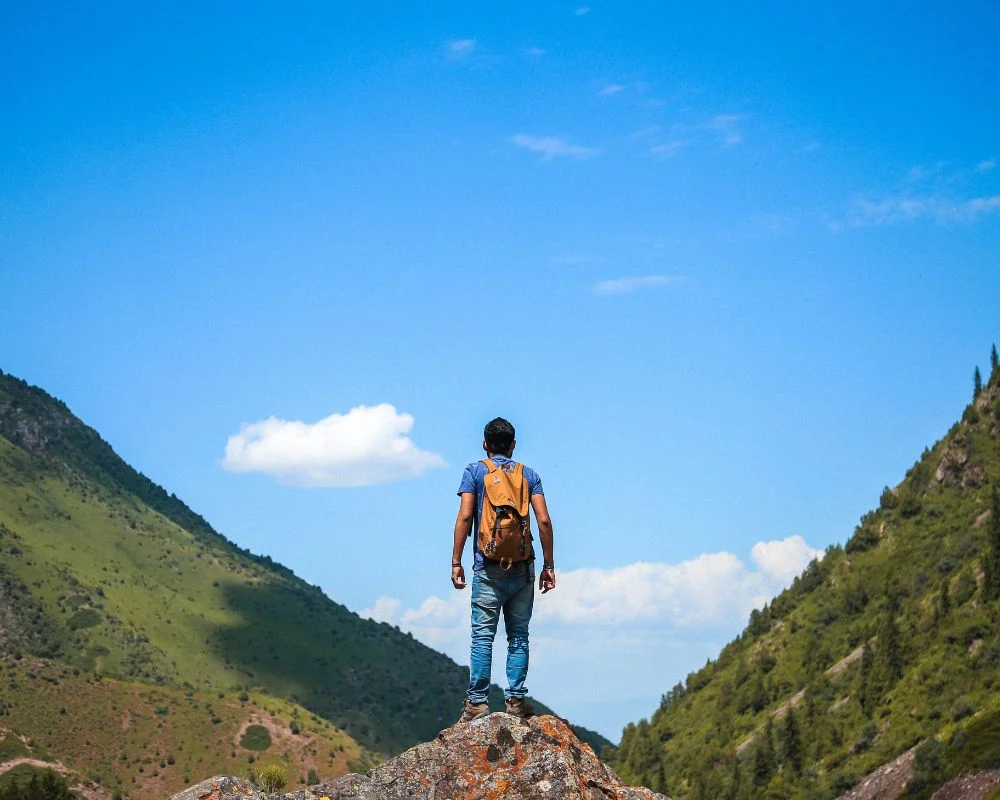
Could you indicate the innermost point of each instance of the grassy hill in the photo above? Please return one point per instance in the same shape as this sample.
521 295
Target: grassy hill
107 580
886 643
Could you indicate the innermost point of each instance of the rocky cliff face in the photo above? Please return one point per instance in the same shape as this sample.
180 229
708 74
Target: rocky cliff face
499 756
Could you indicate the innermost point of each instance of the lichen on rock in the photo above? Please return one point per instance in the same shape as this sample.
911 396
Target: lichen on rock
498 756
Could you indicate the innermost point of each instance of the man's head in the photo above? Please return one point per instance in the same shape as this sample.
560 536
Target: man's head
498 437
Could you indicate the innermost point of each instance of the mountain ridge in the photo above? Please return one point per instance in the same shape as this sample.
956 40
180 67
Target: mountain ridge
887 642
106 573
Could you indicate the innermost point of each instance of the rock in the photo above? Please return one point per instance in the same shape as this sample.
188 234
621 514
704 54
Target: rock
975 786
499 756
222 787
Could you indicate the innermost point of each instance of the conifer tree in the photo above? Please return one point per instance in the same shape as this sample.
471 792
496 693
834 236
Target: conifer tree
887 665
791 742
994 360
944 599
977 383
765 762
991 561
865 688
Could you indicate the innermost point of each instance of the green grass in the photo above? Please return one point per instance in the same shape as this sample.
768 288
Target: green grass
11 747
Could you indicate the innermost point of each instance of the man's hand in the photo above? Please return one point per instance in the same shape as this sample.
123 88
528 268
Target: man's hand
458 576
547 580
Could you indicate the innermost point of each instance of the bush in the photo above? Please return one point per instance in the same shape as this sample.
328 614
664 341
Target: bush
255 737
962 708
270 778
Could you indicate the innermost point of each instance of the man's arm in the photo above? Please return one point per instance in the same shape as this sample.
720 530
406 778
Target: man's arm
547 577
463 526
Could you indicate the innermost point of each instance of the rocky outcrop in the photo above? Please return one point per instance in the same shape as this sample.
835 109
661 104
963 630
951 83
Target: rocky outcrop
969 787
885 783
499 756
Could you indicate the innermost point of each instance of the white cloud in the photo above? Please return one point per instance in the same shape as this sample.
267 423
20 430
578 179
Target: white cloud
550 147
535 51
633 630
904 208
610 89
368 445
726 127
666 149
386 609
711 591
782 560
461 48
986 165
582 10
626 285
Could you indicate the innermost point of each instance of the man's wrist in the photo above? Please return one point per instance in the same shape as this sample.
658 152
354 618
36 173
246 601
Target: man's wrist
549 566
456 563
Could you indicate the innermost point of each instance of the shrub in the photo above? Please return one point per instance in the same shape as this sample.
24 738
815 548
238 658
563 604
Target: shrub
962 708
256 737
270 778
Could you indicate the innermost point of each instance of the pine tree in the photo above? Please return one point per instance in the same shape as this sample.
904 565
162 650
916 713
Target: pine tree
994 361
991 561
791 742
977 383
866 694
764 761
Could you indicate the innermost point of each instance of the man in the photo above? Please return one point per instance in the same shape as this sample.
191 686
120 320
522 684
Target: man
497 586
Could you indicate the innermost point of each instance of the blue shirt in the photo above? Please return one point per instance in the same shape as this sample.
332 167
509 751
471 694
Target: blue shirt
473 482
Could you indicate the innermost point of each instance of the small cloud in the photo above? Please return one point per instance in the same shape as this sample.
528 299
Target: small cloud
582 10
627 285
726 126
812 147
460 48
610 89
863 213
386 609
987 165
535 52
366 446
550 147
666 149
782 560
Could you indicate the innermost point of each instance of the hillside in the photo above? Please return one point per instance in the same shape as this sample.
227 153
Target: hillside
888 642
104 575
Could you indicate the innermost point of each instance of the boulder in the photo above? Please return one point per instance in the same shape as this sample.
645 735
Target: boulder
499 756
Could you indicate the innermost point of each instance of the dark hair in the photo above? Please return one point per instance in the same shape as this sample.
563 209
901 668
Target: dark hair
499 435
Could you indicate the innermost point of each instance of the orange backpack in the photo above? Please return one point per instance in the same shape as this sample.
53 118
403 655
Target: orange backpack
504 526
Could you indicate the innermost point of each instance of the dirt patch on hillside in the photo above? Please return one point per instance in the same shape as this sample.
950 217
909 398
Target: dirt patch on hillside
846 661
281 734
969 787
55 766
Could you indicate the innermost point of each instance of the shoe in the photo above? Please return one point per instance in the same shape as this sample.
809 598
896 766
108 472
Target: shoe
518 707
471 711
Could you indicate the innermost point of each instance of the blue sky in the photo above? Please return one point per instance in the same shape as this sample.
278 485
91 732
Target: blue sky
727 268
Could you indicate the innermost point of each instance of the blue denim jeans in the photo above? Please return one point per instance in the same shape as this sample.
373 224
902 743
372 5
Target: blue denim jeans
495 589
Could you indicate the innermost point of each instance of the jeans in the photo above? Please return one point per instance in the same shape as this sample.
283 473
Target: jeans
495 589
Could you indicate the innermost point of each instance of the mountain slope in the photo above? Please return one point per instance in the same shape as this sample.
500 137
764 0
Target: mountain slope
105 572
887 642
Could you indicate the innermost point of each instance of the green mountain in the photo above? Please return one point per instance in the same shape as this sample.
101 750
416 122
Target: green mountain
888 642
108 581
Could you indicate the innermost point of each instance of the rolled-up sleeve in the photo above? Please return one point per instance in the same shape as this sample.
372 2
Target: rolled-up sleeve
468 484
534 482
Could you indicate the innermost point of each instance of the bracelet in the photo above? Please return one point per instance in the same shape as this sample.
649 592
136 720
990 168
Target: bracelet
458 564
548 566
